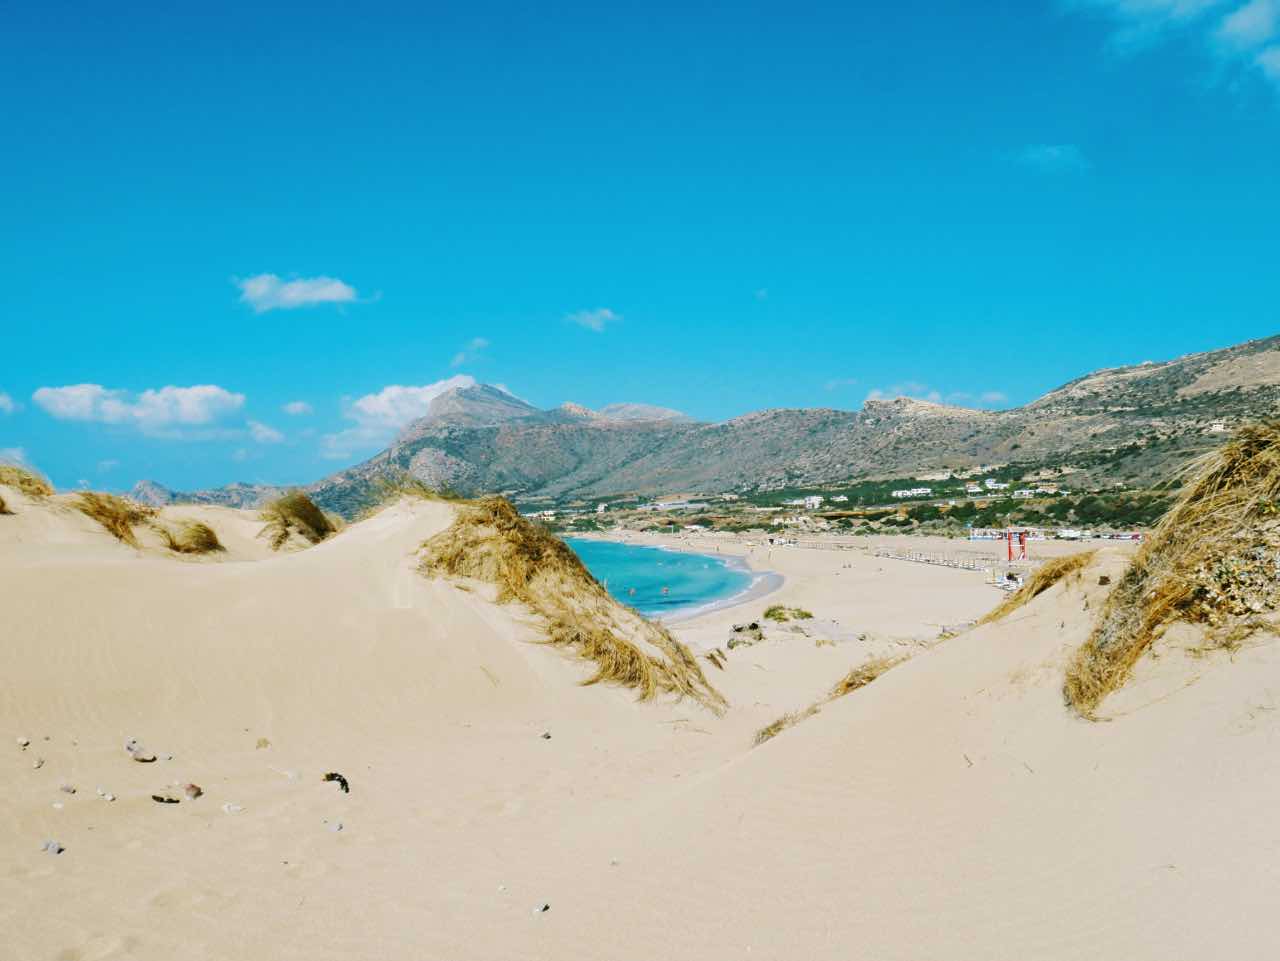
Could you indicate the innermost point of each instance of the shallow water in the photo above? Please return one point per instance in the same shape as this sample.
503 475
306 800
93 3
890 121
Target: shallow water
637 576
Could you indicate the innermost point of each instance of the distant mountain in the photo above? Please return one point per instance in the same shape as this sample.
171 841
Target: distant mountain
233 495
1127 424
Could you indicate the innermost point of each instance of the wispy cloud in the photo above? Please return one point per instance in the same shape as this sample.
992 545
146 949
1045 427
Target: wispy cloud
264 433
839 383
596 320
1054 158
377 417
265 292
159 412
1241 35
7 404
108 465
13 455
469 353
297 408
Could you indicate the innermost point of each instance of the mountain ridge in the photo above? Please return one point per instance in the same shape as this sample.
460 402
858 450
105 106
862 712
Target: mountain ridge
1130 424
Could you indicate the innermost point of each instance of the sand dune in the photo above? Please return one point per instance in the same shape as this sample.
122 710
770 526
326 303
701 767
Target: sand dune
954 808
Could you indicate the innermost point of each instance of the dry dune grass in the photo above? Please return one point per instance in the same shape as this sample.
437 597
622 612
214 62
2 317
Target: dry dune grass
4 508
295 513
1045 576
489 541
858 678
27 481
117 515
192 537
1211 560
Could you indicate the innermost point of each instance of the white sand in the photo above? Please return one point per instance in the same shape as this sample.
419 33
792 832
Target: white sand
952 809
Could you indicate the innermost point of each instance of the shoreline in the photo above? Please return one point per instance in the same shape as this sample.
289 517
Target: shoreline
764 581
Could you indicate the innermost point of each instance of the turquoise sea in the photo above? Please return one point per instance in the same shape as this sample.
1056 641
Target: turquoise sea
637 576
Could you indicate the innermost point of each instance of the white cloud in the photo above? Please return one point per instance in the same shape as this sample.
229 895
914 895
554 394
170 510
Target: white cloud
265 292
297 408
264 433
240 455
155 412
469 353
993 397
109 464
1269 62
379 416
1058 158
1251 26
7 404
13 455
595 320
836 383
1233 31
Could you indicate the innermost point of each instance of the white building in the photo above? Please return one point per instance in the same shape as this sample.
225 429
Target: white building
992 484
813 502
913 492
840 499
1025 492
601 508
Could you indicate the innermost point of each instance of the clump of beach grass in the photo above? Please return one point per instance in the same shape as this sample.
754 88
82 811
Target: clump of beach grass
856 679
4 508
1044 577
1211 560
24 480
781 614
489 541
295 513
117 515
192 537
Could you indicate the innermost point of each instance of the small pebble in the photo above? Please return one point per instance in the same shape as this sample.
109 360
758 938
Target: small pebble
37 764
164 799
53 847
335 826
501 888
546 735
193 791
23 742
138 752
67 788
542 908
57 805
230 808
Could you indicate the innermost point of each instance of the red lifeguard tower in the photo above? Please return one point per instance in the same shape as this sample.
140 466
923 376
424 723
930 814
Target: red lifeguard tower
1017 542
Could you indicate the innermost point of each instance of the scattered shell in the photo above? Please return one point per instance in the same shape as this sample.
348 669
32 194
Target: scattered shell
57 805
67 788
138 752
164 799
341 781
542 908
546 735
53 847
501 888
37 764
230 808
23 742
335 826
192 791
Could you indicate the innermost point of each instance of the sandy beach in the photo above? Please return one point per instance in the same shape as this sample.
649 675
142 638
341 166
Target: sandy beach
499 809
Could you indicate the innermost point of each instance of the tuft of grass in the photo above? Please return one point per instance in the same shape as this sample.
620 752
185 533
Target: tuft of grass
1221 530
295 513
27 481
192 537
1044 577
117 515
392 487
781 614
858 678
4 508
489 541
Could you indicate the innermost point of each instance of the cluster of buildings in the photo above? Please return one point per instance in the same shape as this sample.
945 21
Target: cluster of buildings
913 492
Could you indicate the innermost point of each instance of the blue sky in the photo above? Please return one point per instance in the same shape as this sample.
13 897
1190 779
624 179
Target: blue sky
242 243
